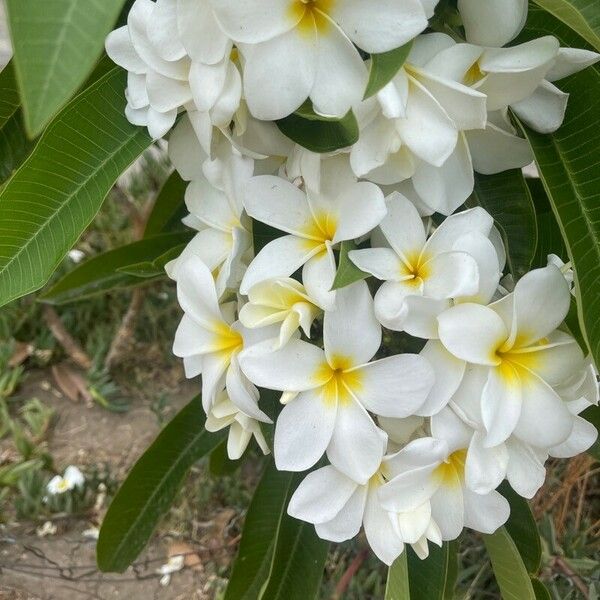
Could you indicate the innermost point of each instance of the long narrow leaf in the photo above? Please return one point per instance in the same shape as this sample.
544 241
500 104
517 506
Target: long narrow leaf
149 490
397 586
56 193
56 45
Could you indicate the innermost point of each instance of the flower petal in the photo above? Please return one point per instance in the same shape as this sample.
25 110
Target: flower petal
485 512
378 528
348 521
485 468
318 276
492 23
447 509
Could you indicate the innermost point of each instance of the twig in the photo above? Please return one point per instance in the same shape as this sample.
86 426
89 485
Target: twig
577 581
354 566
65 339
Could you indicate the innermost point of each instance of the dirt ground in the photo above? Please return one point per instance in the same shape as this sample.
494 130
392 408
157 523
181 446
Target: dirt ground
61 566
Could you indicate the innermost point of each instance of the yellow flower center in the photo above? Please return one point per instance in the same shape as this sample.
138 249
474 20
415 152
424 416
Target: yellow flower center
414 269
321 229
337 380
474 75
226 339
63 485
311 15
452 471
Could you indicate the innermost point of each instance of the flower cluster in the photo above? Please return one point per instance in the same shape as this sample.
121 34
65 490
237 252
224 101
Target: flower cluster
409 445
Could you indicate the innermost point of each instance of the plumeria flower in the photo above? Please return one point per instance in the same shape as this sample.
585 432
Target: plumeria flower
209 341
338 506
492 23
72 478
328 392
174 564
280 300
413 129
315 223
511 354
423 276
171 65
433 470
241 427
224 238
299 49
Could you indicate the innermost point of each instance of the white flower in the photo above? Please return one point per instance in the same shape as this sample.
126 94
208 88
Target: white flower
209 341
492 22
315 222
422 276
174 564
513 354
295 49
431 470
176 57
338 506
412 129
71 479
216 211
242 428
328 393
281 300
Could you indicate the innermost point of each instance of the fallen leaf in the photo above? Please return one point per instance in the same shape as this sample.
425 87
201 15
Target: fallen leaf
191 558
22 352
71 383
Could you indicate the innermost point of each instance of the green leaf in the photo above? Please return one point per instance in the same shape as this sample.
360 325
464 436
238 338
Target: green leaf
298 562
510 572
506 197
582 16
522 528
14 144
219 463
384 68
262 234
347 272
550 239
317 133
569 162
592 414
151 269
435 577
572 322
151 486
56 45
397 586
169 208
252 567
58 190
540 590
105 272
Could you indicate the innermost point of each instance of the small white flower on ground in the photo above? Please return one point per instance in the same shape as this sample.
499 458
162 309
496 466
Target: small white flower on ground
423 276
71 479
174 564
328 392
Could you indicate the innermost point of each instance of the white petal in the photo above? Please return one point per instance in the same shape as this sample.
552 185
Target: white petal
362 208
351 331
449 372
395 386
492 23
160 123
357 445
207 83
390 304
380 25
321 495
378 529
243 394
341 75
162 30
253 21
403 227
447 426
473 333
303 431
540 401
525 473
348 521
582 437
485 513
571 60
466 401
185 151
279 258
291 368
422 314
451 275
544 111
191 338
501 404
278 203
447 510
318 275
383 263
121 51
279 74
485 468
196 292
